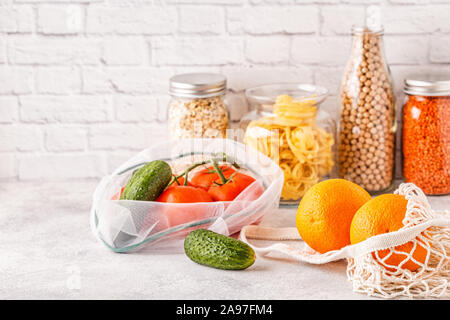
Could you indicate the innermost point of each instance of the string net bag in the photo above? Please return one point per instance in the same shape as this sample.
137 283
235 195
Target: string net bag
381 265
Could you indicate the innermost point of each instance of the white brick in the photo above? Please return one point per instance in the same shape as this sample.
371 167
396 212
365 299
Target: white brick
126 136
399 73
409 1
9 109
441 17
200 69
66 109
116 159
240 78
131 20
329 1
267 49
58 80
234 21
16 80
7 166
197 51
141 80
222 2
59 1
329 78
415 19
60 19
18 19
440 49
201 19
136 109
54 51
59 167
3 48
320 50
358 1
339 20
259 2
96 80
124 51
126 80
65 139
20 137
271 19
163 103
406 50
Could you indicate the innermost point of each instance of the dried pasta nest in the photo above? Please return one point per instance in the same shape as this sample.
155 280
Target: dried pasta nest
292 139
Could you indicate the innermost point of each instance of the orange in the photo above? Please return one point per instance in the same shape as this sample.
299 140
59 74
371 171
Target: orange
384 214
326 211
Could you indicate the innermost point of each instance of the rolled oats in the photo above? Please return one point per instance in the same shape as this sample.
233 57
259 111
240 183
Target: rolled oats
198 118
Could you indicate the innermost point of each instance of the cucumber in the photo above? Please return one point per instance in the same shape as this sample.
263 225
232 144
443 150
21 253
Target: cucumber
147 183
218 251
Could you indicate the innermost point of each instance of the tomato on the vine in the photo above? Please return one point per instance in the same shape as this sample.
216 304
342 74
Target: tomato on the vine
184 194
178 182
231 189
205 178
179 214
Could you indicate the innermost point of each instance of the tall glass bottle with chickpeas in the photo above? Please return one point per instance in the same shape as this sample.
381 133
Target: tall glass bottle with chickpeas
367 126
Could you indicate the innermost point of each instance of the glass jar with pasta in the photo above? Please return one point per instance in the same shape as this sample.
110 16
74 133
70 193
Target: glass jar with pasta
299 137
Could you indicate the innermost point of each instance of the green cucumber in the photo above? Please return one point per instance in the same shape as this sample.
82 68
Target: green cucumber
218 251
147 183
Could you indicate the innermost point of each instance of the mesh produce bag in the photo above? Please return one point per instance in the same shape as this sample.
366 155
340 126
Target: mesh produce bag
425 232
126 225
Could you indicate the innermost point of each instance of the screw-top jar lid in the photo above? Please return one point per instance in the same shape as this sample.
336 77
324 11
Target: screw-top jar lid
197 85
428 84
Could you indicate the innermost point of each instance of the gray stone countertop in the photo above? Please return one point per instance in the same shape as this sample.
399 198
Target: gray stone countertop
47 251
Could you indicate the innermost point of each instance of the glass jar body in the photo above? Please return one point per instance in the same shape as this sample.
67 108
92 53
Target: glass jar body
305 152
426 143
367 127
261 99
254 114
197 117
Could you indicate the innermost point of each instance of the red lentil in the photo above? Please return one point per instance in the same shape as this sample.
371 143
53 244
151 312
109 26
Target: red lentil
426 143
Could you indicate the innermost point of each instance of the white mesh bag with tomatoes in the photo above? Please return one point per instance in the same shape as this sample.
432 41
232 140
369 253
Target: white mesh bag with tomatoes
228 186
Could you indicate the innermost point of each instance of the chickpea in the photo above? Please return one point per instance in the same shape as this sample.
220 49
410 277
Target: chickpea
368 105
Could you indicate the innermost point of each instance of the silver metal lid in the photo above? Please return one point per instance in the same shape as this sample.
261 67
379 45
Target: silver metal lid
197 85
437 84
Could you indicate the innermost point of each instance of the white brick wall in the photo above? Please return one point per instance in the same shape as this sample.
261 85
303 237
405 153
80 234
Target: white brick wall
54 19
83 82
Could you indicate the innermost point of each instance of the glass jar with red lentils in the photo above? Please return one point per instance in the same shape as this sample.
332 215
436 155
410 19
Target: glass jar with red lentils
426 132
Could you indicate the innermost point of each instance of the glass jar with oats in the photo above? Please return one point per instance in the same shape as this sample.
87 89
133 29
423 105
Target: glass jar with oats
197 108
